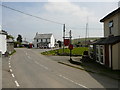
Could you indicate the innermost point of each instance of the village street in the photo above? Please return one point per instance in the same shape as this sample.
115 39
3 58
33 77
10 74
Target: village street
27 68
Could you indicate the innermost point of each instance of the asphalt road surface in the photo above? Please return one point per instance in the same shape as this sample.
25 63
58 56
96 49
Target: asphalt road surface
30 69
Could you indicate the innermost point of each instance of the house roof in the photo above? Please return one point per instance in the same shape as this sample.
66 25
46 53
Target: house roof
110 14
108 41
41 36
25 42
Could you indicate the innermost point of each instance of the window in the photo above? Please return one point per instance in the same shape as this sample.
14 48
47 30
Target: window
100 54
37 40
41 40
110 27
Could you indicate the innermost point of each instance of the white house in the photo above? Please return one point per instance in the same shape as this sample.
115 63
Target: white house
3 44
44 41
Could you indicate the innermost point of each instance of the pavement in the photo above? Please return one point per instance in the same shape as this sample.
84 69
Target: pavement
89 66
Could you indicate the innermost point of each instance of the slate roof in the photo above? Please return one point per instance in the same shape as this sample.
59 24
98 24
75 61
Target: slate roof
108 41
110 14
43 36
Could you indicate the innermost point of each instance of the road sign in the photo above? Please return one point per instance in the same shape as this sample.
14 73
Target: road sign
66 42
70 46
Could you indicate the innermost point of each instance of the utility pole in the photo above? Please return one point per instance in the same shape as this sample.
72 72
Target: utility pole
63 36
86 33
70 44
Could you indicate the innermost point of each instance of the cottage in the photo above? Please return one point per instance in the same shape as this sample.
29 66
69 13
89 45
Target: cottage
44 41
107 49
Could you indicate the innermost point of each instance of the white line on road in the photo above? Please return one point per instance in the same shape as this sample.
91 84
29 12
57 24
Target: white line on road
13 75
9 66
10 70
29 57
10 57
9 63
74 82
17 84
36 62
41 65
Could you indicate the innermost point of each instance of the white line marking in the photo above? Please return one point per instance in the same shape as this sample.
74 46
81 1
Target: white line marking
41 65
73 82
17 84
36 62
10 57
45 67
13 75
10 70
29 57
9 63
9 66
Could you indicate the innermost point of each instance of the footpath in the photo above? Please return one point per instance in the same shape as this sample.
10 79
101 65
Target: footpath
88 66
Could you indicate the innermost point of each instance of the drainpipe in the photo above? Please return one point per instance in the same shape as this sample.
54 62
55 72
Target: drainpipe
111 57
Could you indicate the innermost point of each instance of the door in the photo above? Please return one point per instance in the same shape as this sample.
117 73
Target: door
107 55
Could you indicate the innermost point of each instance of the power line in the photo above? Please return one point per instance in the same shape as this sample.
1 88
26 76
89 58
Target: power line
31 15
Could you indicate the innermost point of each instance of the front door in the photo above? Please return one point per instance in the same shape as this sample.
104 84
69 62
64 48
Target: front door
107 55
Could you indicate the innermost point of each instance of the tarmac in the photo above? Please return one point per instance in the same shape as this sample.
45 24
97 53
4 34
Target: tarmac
88 65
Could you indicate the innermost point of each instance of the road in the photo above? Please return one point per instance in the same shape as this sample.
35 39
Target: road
30 69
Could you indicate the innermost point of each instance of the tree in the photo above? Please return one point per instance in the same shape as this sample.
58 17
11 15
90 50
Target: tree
19 38
60 43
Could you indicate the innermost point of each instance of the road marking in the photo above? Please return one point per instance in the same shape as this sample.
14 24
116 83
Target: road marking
10 57
36 62
17 84
9 66
9 63
74 82
29 57
41 65
10 70
13 75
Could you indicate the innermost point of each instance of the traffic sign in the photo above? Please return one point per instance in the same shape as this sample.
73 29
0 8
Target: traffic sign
70 46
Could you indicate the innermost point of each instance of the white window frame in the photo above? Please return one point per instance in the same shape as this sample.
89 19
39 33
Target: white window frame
98 54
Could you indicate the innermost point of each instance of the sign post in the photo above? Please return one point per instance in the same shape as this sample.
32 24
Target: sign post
70 47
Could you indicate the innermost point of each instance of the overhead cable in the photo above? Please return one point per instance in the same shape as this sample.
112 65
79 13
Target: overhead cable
31 15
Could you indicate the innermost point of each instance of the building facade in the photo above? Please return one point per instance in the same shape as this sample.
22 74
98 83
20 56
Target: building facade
107 49
44 41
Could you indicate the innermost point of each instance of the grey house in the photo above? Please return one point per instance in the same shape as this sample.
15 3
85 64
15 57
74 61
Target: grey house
107 49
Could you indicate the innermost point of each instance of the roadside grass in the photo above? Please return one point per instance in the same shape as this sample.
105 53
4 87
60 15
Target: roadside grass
75 51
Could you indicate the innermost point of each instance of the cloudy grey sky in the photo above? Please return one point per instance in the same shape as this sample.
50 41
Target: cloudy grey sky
73 14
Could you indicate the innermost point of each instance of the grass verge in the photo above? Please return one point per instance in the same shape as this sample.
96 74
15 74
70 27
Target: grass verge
76 51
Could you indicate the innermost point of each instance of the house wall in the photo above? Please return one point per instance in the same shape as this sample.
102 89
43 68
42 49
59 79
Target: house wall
115 30
3 44
116 56
119 23
52 43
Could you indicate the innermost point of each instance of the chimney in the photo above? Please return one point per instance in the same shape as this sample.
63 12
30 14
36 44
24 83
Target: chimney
37 33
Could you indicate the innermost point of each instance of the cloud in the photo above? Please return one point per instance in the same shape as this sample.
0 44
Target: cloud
69 12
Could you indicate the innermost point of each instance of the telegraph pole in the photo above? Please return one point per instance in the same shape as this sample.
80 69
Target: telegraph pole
70 44
63 36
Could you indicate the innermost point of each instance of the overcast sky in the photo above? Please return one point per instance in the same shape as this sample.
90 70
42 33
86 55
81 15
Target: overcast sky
74 14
